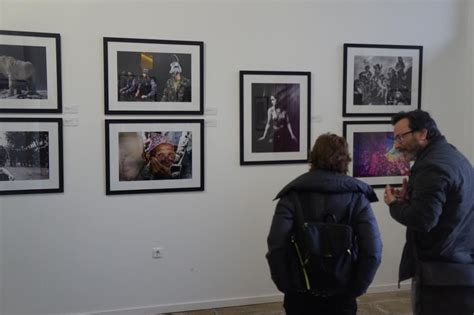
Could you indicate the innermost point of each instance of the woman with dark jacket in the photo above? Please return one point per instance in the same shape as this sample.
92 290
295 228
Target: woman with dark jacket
326 187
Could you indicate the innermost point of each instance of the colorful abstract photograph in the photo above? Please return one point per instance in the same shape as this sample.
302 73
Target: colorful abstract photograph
375 156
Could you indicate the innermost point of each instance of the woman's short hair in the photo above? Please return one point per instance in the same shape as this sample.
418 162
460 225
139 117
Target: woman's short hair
331 153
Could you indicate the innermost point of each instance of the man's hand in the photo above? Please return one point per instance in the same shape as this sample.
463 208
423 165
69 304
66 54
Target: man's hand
401 193
393 194
389 195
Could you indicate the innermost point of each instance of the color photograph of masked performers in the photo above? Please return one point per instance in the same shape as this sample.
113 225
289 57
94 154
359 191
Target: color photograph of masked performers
375 155
154 77
382 80
155 155
275 117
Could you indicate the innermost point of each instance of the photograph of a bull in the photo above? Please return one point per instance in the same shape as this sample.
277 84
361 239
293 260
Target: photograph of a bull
19 73
30 72
23 72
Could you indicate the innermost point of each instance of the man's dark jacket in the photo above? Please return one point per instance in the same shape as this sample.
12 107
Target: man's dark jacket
327 191
439 216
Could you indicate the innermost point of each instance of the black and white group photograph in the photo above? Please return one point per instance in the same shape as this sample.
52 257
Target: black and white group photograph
380 80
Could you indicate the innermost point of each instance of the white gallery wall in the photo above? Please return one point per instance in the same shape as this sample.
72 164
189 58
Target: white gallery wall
84 252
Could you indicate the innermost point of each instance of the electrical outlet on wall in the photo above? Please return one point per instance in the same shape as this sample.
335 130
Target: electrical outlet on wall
157 252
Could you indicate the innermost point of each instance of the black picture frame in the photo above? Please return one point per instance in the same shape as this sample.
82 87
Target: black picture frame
127 59
374 158
381 80
31 151
282 144
154 155
35 59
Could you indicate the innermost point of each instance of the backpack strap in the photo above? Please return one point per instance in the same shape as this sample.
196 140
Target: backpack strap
299 220
351 210
349 219
299 213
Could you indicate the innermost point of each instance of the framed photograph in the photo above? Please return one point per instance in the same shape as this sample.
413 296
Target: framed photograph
380 80
148 76
374 157
31 155
148 156
275 111
30 72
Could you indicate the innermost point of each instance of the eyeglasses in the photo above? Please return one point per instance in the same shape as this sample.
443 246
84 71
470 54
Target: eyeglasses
400 137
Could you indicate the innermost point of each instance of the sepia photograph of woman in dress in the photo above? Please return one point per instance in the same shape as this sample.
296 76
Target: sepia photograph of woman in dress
276 118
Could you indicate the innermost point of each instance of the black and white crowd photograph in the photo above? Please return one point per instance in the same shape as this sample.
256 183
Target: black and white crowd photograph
24 155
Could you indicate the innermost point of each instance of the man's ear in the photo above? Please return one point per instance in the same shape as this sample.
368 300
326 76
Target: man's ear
423 134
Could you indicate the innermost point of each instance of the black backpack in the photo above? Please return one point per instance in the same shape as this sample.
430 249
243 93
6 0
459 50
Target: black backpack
324 251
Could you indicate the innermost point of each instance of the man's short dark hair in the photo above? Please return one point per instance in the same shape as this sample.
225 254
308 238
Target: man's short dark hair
418 120
331 153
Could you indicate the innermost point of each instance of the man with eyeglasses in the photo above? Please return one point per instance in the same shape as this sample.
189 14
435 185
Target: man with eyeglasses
436 205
